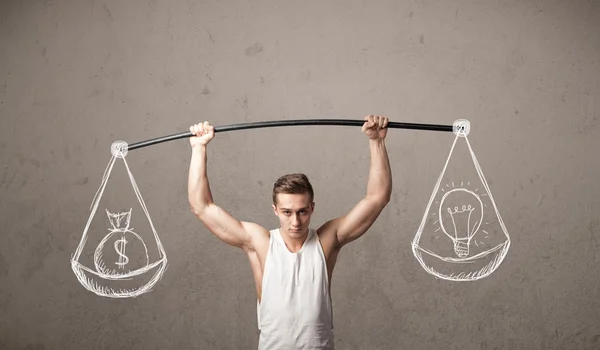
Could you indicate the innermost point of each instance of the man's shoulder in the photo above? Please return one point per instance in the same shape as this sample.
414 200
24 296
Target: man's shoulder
329 228
327 234
258 235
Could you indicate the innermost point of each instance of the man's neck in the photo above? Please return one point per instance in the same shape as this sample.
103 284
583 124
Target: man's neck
293 244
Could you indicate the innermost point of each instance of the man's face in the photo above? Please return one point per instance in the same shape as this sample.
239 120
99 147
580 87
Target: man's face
294 211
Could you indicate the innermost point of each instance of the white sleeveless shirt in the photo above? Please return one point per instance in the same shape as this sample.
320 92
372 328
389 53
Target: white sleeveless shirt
295 311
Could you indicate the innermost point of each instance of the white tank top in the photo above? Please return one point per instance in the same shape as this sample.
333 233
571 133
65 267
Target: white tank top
295 311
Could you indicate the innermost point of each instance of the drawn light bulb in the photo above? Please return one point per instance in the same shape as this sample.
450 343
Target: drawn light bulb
460 215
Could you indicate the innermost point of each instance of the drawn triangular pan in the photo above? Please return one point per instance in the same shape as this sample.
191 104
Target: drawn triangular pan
462 236
120 254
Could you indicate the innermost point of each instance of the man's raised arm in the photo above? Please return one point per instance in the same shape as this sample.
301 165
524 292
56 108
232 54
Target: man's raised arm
218 221
379 186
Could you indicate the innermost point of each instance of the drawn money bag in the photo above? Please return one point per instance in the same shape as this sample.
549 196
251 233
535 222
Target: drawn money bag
111 257
127 261
462 236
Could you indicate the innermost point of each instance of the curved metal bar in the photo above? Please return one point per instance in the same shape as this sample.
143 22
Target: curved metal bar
298 122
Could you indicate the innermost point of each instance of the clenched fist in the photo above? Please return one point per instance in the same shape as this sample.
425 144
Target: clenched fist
375 127
203 133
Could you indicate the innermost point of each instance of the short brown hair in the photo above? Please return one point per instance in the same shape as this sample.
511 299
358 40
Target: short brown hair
292 184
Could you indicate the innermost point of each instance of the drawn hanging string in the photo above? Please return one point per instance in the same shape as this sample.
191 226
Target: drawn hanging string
462 236
123 280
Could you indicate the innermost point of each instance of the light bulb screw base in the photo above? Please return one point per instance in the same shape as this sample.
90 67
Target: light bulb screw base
461 127
461 248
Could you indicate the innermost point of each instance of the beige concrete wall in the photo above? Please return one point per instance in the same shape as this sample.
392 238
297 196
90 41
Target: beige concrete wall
77 75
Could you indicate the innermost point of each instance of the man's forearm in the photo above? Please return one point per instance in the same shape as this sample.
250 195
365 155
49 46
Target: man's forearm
379 185
199 194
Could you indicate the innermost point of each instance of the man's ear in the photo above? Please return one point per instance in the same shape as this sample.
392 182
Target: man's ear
275 209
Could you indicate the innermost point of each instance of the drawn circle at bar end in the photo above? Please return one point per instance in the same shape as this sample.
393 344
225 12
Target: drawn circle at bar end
461 127
119 149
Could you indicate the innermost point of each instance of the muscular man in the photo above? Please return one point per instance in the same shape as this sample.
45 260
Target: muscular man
293 264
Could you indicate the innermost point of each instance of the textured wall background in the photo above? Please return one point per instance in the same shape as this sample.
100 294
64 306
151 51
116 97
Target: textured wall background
77 75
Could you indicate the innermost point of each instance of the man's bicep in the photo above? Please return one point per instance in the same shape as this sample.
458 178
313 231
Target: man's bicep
226 227
358 220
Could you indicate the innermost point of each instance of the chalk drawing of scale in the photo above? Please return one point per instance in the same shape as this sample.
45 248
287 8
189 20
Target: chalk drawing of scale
462 236
468 260
122 267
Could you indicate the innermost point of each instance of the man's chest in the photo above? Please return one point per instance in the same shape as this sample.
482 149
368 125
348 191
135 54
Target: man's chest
292 269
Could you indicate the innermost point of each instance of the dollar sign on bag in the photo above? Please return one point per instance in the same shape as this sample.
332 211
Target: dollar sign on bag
120 248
